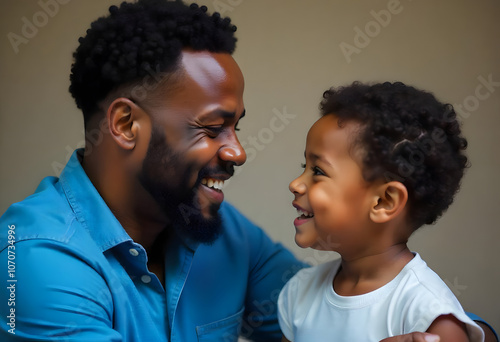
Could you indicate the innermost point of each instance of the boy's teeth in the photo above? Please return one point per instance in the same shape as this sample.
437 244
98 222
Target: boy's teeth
213 183
304 213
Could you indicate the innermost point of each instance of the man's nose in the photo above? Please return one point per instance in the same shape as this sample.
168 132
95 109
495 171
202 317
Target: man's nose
233 152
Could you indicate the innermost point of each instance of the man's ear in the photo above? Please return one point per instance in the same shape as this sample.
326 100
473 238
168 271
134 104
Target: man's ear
123 116
390 200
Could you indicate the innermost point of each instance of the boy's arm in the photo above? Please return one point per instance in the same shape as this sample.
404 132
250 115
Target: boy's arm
413 337
449 328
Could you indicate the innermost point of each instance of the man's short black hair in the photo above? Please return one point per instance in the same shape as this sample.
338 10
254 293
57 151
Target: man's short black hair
138 39
409 136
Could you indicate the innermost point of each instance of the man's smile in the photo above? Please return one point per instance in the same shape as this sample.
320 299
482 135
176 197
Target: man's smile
217 184
211 187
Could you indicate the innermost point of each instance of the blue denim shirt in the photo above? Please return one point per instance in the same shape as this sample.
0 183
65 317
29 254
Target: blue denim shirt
70 272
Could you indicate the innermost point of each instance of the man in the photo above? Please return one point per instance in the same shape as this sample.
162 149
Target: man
133 242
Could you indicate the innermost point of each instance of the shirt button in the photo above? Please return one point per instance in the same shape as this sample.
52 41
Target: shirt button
146 279
133 251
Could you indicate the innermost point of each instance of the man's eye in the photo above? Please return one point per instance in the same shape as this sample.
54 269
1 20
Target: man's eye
214 130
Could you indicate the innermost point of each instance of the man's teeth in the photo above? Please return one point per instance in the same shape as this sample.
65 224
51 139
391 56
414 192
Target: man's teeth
304 213
213 183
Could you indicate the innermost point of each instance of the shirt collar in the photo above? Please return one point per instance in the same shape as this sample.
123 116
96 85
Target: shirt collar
89 207
187 241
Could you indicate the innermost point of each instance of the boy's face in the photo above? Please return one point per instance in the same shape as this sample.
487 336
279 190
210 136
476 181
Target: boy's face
331 190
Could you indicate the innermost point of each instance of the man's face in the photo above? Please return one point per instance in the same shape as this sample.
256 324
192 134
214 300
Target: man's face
193 147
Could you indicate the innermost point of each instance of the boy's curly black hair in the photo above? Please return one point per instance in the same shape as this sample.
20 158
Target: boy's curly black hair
138 39
409 136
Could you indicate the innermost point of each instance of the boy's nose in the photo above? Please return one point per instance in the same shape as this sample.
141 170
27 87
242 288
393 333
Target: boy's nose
297 186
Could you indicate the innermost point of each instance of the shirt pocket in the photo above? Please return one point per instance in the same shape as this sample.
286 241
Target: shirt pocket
224 330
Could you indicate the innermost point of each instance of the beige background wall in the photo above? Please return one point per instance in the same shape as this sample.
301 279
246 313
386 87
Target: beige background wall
290 52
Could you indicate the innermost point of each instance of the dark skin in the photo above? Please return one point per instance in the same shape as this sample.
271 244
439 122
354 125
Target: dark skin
365 222
199 118
129 128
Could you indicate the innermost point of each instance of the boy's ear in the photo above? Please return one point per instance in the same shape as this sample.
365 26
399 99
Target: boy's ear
390 201
123 115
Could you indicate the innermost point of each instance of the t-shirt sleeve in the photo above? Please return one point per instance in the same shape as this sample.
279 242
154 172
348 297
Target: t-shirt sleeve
56 296
285 309
427 306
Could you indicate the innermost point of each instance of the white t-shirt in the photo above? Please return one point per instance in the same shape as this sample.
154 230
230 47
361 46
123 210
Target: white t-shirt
310 310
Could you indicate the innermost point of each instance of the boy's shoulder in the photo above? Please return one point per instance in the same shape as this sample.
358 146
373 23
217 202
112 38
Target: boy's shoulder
312 278
421 296
420 280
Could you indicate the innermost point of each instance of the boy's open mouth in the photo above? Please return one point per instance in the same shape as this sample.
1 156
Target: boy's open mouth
303 214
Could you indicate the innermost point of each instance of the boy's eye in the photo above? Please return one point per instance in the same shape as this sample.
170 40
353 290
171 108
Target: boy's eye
317 171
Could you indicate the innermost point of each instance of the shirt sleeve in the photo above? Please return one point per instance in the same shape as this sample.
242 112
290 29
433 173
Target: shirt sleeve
426 307
56 296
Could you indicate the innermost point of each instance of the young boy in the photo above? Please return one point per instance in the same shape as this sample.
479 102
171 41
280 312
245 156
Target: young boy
382 161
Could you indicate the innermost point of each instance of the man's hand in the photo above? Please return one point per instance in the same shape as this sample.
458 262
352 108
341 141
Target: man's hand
424 337
413 337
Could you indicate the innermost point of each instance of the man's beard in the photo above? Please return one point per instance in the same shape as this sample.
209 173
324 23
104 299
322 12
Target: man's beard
166 176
